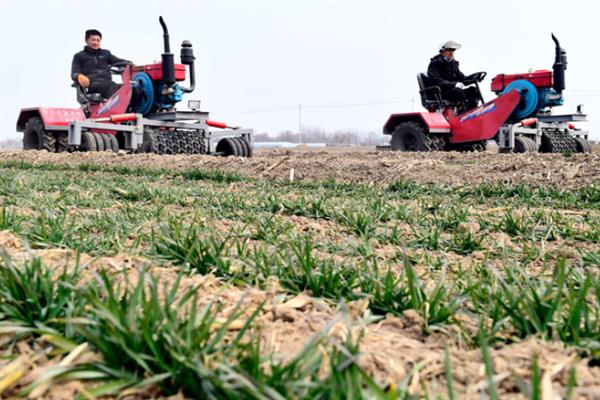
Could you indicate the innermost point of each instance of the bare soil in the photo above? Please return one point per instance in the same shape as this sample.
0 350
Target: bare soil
391 348
368 167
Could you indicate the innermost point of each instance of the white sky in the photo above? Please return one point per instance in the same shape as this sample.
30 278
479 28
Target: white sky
350 63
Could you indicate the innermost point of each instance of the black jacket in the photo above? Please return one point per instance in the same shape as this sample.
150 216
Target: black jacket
443 72
94 64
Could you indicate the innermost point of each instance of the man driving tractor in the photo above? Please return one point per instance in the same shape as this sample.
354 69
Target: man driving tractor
90 67
444 72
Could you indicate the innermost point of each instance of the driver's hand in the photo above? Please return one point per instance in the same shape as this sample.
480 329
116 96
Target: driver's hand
83 80
460 85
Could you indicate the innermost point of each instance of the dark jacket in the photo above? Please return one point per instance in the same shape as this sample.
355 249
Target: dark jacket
94 64
443 72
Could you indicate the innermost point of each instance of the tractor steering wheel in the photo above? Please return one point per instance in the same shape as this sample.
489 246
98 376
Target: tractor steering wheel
119 67
476 77
481 76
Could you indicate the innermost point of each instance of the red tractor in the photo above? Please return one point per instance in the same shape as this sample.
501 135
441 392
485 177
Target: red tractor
519 119
139 117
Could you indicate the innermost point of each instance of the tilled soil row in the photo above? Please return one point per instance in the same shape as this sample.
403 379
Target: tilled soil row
367 167
392 349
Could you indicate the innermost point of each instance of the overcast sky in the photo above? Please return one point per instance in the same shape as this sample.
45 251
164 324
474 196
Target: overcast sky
349 63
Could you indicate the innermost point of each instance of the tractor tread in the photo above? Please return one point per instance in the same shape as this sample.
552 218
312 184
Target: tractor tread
62 142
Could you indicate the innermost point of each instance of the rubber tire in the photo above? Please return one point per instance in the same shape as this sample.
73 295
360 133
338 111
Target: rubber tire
36 137
114 143
469 147
239 151
247 146
250 148
150 144
547 145
411 136
524 145
107 145
62 142
243 145
232 146
583 146
88 142
532 145
481 147
99 141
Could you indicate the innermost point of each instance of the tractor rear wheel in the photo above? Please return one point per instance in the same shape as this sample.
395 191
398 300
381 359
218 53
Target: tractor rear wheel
524 145
412 136
62 141
36 137
479 147
583 146
466 147
88 142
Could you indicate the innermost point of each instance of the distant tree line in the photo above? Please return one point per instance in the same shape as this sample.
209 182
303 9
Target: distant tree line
309 135
317 135
11 144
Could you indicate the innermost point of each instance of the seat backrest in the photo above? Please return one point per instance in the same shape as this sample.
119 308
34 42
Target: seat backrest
423 80
429 100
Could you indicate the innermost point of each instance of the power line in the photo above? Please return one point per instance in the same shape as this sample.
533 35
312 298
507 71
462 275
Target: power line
319 105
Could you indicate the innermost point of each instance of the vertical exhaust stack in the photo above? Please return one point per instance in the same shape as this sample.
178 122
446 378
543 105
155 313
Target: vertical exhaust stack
168 58
559 67
187 58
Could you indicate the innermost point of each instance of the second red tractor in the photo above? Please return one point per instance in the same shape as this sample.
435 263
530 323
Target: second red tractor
520 119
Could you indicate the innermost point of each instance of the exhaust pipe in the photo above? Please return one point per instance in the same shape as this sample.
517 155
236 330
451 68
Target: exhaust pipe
187 58
559 67
168 58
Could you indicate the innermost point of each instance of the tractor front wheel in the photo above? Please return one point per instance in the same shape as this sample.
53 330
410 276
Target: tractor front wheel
412 136
36 137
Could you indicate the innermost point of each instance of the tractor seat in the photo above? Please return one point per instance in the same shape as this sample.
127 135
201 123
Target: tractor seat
83 97
431 95
95 97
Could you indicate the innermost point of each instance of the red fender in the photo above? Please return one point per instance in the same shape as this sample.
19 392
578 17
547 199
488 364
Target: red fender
119 101
484 122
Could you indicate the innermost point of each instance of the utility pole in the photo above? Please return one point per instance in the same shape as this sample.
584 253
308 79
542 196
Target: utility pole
300 123
412 102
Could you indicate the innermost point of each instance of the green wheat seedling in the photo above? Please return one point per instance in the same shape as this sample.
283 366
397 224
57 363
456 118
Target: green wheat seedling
37 298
